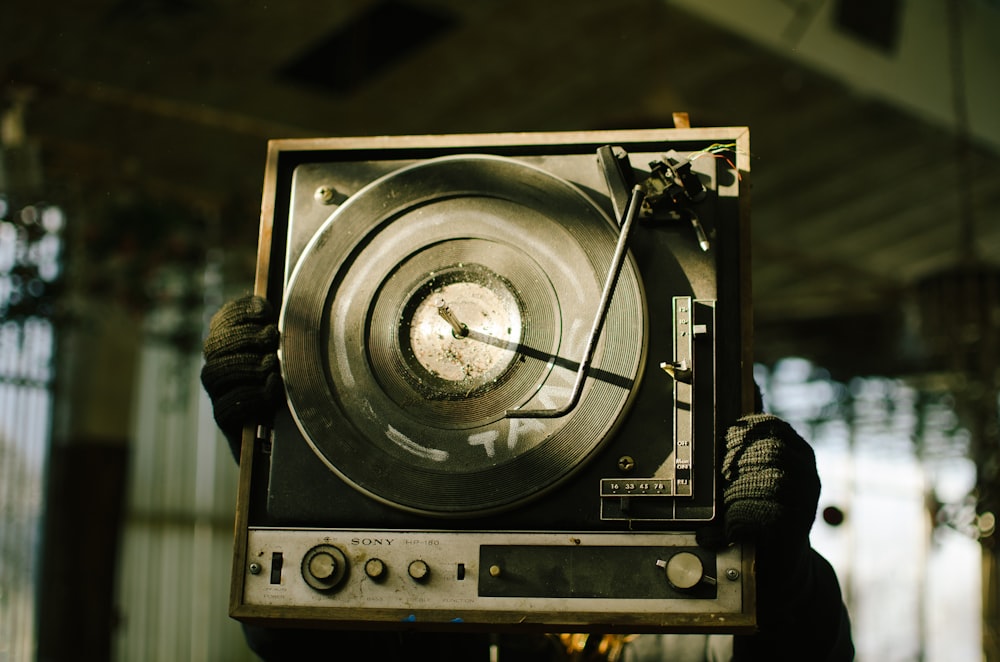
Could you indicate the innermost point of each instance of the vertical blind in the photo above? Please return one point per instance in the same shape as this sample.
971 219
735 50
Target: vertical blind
30 246
178 530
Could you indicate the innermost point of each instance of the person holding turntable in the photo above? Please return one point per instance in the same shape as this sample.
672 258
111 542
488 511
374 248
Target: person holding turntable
770 495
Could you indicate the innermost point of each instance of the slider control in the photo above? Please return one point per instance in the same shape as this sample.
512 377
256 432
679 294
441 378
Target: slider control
277 561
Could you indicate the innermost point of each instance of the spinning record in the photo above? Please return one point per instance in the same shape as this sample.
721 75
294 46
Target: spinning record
432 303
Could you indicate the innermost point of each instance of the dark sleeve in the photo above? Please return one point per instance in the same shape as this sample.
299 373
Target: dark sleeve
811 625
296 645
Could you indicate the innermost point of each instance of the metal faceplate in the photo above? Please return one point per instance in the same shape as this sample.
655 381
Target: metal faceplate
391 578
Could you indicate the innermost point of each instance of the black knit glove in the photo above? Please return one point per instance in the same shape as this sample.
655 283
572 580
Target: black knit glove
771 486
770 494
241 373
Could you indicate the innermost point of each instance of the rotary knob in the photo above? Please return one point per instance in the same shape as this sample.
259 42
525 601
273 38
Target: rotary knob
324 567
419 570
375 569
684 570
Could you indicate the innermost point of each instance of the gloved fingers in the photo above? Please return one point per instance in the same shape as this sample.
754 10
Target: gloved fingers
238 370
249 309
245 323
763 440
243 405
752 519
771 482
267 393
243 337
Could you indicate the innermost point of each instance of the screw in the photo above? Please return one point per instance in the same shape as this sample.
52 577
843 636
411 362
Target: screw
325 195
254 568
626 463
732 574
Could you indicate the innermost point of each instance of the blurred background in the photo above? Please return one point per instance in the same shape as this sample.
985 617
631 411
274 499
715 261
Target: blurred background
132 144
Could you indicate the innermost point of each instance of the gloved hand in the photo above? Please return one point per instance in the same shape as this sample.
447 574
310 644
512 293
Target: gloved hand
770 483
241 373
770 495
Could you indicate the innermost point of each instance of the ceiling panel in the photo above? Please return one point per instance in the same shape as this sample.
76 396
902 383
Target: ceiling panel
853 201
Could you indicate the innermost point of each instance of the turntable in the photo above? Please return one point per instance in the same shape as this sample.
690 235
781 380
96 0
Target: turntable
508 360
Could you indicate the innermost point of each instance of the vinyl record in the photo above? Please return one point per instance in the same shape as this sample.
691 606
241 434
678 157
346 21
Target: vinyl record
435 300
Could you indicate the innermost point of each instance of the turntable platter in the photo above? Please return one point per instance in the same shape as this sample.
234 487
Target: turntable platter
435 300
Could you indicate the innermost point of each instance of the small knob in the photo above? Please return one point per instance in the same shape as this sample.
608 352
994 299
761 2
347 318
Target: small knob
419 570
375 568
684 570
323 566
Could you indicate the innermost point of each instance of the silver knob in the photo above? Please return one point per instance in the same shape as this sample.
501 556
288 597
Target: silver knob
684 570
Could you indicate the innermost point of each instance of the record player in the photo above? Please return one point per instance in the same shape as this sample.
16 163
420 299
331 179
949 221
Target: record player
508 361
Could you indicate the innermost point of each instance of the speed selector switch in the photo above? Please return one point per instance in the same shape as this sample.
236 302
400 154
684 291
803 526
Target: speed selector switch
685 571
324 567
